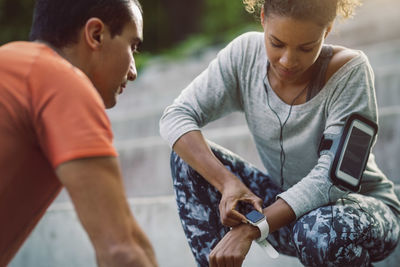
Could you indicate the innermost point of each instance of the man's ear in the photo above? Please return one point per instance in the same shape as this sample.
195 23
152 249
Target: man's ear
94 33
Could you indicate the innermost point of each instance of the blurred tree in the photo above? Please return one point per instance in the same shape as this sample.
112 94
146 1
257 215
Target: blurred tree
225 16
167 22
15 19
185 17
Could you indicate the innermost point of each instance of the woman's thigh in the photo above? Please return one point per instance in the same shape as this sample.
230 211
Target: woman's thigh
355 231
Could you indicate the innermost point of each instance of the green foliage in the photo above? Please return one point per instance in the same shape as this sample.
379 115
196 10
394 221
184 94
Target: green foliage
173 28
15 19
224 16
191 25
169 22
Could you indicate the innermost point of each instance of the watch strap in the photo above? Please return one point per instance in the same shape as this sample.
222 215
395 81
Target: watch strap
264 229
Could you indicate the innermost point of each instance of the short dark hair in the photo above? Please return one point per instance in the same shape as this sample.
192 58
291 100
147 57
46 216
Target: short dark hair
58 21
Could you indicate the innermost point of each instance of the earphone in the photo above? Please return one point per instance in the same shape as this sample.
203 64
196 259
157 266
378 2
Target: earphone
283 157
282 125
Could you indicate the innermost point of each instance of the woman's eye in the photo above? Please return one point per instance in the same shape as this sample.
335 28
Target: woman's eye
306 49
276 45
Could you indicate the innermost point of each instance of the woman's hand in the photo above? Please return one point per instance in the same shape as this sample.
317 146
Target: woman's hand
233 192
233 248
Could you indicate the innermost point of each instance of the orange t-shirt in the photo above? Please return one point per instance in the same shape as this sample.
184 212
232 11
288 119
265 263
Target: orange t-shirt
50 113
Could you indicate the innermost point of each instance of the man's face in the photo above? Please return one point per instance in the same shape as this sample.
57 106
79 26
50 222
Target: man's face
116 63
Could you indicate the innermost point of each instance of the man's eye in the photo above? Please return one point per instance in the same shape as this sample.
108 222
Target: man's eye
135 50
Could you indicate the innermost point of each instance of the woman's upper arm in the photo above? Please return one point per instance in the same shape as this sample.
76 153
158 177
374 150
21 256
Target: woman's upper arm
353 91
211 95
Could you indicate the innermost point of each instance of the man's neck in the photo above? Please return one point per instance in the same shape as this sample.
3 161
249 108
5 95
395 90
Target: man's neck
72 53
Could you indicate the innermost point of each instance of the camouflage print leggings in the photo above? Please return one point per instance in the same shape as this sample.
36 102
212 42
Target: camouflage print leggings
355 231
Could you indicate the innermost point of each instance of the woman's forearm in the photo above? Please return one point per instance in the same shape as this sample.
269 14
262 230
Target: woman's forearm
194 150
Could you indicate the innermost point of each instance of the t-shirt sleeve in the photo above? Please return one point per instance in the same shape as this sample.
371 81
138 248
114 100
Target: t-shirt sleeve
211 95
354 92
68 114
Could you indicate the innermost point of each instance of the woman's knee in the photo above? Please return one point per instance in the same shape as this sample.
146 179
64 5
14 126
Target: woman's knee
180 170
185 178
174 162
319 243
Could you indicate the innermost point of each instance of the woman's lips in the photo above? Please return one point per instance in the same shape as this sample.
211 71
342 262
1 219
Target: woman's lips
286 73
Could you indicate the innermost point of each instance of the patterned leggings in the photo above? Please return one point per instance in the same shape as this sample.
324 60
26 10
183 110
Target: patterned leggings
354 231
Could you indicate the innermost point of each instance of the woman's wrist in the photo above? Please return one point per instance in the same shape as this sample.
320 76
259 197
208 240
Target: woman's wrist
229 181
279 214
248 231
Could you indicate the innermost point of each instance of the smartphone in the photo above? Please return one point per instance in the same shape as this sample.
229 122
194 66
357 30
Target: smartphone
353 152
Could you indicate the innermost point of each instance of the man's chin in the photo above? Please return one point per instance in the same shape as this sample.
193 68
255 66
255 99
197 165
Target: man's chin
110 104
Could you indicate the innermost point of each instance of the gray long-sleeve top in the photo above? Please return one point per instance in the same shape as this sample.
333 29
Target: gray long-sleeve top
236 81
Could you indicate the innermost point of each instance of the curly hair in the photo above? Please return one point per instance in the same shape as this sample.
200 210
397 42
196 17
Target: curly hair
322 11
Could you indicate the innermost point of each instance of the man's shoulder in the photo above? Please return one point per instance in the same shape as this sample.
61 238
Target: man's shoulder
52 71
18 57
36 60
22 52
50 64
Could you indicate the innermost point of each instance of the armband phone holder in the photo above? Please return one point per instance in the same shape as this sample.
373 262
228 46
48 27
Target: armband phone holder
350 151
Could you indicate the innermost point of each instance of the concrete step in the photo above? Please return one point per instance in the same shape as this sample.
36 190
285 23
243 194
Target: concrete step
142 125
145 161
387 84
383 54
375 30
59 240
139 157
374 21
133 123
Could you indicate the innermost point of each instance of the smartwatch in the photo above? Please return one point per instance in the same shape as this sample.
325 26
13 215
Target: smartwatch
259 220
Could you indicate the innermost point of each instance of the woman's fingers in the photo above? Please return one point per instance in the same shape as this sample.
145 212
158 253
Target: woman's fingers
229 215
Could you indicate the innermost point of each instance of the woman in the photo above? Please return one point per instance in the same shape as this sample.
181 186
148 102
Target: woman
293 89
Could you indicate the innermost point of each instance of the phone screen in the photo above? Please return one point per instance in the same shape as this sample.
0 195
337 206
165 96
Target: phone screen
356 152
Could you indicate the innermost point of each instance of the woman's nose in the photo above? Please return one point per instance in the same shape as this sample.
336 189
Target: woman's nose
288 60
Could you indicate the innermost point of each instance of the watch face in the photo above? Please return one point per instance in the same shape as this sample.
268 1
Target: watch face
254 216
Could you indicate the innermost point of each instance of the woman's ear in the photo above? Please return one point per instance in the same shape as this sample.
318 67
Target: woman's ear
262 17
328 29
94 33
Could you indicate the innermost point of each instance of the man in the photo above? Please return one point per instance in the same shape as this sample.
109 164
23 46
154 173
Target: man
54 131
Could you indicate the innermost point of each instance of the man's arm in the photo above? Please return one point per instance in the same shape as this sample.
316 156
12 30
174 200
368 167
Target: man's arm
96 189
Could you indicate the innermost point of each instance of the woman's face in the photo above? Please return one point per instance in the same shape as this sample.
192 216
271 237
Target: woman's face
292 46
